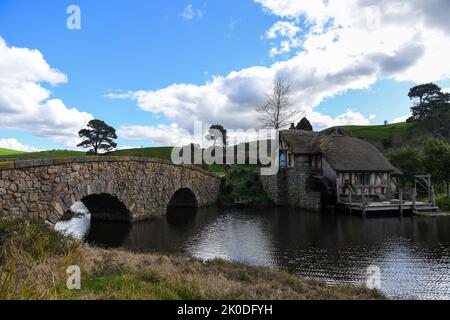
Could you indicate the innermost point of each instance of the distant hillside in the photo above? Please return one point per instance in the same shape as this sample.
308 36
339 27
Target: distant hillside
151 152
392 135
7 152
41 154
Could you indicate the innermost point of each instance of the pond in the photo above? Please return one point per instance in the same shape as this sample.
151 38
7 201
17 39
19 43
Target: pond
413 253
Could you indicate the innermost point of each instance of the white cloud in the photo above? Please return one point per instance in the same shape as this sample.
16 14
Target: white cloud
189 13
372 117
446 90
288 32
25 103
349 117
401 118
13 144
166 135
346 44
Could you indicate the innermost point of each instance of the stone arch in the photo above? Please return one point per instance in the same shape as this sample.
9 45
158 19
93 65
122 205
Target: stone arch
183 198
106 207
112 205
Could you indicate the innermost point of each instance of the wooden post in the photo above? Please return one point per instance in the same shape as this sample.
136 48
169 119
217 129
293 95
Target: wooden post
363 205
338 190
350 201
433 196
414 198
400 197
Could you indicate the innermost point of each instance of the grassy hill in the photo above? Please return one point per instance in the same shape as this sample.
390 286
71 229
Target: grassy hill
392 135
41 154
152 152
7 152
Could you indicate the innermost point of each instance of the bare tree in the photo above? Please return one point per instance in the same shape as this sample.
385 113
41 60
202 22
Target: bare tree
276 112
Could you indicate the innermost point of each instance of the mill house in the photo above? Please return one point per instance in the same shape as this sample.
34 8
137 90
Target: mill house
352 172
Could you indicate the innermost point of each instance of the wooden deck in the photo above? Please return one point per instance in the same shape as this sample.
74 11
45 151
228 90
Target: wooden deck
389 206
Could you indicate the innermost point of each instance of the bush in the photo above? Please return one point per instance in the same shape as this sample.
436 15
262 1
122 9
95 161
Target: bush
249 183
444 203
227 189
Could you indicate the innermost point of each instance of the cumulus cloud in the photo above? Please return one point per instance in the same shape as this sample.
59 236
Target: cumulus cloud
345 44
401 118
287 31
167 135
24 101
14 144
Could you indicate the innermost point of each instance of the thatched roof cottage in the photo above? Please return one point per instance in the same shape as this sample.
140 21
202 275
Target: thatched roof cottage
346 163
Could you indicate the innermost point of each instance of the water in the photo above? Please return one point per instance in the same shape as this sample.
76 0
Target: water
413 253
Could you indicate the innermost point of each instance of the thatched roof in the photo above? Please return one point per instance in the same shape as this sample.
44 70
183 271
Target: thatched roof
342 151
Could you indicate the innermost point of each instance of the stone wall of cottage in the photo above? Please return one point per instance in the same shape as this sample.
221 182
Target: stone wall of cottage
46 189
290 187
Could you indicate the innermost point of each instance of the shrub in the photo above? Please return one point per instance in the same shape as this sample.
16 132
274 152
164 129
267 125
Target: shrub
444 203
227 189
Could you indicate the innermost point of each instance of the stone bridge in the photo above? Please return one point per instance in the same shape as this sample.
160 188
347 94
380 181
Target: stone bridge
113 188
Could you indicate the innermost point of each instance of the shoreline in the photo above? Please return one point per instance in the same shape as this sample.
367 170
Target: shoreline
37 257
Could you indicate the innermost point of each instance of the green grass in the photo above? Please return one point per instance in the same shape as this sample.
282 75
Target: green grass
7 152
152 152
391 135
43 155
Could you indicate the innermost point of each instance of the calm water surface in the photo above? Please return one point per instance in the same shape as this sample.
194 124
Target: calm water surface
412 252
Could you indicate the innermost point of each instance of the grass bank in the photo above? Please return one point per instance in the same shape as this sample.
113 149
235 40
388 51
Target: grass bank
34 259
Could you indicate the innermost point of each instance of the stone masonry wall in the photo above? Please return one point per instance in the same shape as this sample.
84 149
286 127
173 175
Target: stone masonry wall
290 188
47 188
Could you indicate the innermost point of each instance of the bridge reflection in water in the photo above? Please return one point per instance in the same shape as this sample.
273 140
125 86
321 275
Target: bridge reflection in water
412 252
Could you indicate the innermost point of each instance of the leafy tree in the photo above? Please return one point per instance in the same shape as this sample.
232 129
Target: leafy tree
98 136
276 113
217 132
304 124
436 159
432 107
423 92
408 160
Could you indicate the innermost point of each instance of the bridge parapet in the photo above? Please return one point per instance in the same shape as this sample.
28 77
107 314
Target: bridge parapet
46 188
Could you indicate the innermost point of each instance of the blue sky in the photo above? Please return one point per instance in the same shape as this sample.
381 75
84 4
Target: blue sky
220 53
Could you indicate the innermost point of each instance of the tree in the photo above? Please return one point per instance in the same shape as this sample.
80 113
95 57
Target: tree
98 136
423 92
408 160
436 160
217 132
304 124
276 113
432 108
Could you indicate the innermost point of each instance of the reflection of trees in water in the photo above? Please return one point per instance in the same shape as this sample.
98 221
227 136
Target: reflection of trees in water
332 246
235 235
342 246
166 234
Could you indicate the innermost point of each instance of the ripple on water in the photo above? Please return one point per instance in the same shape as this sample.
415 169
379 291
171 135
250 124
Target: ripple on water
412 253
